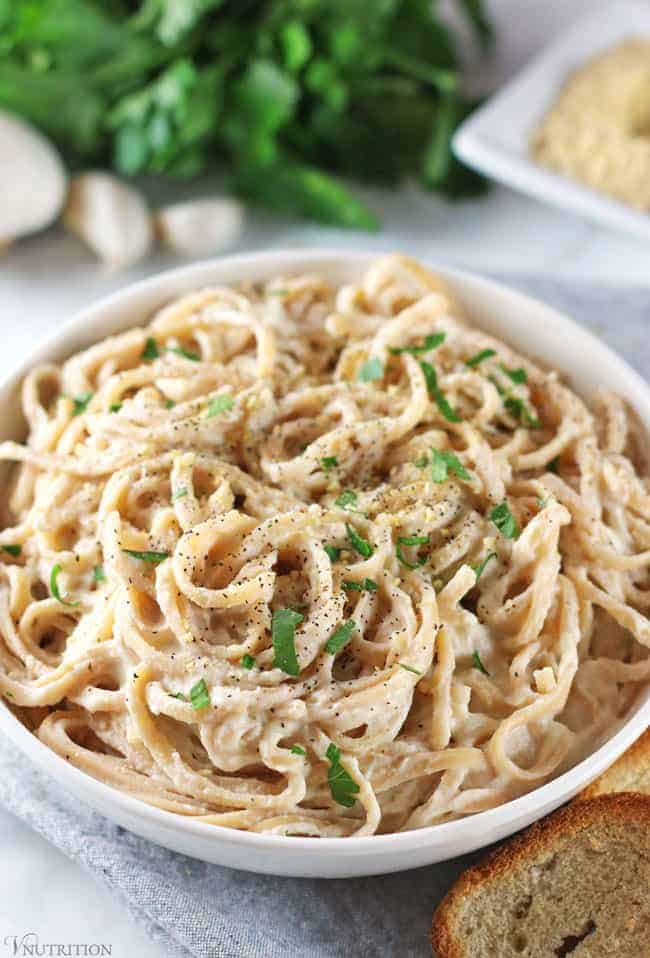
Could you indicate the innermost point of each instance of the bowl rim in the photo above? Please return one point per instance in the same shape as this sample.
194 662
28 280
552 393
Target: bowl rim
531 805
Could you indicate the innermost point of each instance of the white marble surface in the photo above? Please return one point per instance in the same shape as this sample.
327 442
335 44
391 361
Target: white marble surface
44 280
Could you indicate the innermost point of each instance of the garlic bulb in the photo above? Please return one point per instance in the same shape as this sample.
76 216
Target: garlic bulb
111 217
32 180
200 227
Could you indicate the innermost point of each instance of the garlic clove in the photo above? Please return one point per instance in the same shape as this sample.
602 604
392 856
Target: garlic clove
33 181
110 216
200 227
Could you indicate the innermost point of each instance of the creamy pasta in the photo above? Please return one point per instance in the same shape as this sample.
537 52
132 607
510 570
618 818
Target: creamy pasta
321 561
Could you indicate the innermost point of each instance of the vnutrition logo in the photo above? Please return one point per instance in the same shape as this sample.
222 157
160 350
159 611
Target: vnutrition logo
30 947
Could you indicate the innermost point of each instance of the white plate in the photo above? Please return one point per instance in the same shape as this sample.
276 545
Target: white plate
531 328
494 140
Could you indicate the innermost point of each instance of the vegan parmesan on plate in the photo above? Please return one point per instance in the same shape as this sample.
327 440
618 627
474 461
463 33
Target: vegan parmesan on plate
598 129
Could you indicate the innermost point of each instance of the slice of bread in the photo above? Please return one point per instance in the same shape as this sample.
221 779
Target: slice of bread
631 773
576 883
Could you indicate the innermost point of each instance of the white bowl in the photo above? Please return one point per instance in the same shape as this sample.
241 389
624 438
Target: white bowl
495 138
529 326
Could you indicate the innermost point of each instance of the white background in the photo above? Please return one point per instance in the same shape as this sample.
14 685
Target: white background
44 279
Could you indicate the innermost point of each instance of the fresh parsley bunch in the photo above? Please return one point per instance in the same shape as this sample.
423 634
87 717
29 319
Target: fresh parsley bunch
283 94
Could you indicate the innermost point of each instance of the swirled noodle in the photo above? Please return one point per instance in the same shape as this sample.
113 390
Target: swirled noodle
318 561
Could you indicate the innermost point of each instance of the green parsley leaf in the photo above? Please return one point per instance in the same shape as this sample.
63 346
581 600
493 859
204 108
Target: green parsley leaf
297 750
150 350
340 637
80 403
115 407
247 661
98 574
169 404
329 462
185 353
283 636
178 695
221 403
358 543
554 465
371 371
479 568
430 342
479 357
54 586
410 541
154 558
442 463
476 661
199 695
520 411
179 494
333 553
516 375
342 786
421 462
348 500
505 521
409 668
368 585
13 550
436 394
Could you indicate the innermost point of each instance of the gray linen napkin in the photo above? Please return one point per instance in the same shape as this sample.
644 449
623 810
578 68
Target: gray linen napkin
204 911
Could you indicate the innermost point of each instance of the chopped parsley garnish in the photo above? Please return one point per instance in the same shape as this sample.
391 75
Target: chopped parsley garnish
80 403
371 370
150 350
442 463
329 462
54 586
479 357
98 574
247 661
333 553
179 494
154 558
476 661
410 541
430 342
436 394
516 375
169 404
115 407
186 353
13 550
554 464
343 787
421 462
520 411
298 750
219 404
479 568
283 636
505 521
199 695
358 543
341 637
348 501
368 585
178 695
409 668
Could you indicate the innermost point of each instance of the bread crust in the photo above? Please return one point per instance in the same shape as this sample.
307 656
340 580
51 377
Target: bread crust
545 835
621 776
